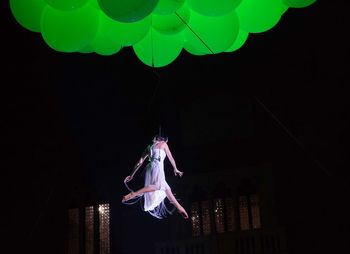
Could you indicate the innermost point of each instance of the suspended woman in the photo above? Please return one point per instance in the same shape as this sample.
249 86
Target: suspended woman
155 189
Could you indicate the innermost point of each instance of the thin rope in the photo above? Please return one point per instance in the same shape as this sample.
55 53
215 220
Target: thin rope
153 70
152 44
194 33
293 137
153 96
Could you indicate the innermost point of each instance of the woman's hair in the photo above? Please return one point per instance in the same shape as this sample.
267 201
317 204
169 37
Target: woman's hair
160 137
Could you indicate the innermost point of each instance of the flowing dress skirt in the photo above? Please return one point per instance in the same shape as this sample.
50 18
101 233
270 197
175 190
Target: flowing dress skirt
155 177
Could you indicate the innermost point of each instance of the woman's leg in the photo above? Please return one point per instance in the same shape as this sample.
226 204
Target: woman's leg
173 200
138 192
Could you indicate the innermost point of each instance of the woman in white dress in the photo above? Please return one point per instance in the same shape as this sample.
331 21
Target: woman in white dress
155 188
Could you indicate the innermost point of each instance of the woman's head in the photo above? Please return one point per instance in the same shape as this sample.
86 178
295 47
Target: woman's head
160 137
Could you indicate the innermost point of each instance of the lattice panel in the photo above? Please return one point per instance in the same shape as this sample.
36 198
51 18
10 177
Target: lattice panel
206 222
195 219
104 229
219 215
243 212
230 215
255 211
73 231
89 230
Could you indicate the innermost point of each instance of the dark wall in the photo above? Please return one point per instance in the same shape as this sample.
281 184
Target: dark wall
74 124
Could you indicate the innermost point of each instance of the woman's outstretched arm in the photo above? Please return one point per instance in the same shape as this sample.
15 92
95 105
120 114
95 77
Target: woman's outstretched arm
137 165
172 160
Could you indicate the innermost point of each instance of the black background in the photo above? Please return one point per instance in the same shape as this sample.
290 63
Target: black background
74 122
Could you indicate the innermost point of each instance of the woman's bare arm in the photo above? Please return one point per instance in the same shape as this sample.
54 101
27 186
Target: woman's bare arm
137 165
171 159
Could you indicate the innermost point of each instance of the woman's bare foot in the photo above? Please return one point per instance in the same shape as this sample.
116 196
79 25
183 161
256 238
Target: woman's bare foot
128 196
183 212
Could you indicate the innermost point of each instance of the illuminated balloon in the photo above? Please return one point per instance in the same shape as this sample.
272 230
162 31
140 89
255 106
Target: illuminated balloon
298 3
284 8
240 40
166 7
125 34
127 10
87 49
211 35
213 7
173 23
158 30
66 5
28 19
69 31
95 4
259 16
106 41
158 50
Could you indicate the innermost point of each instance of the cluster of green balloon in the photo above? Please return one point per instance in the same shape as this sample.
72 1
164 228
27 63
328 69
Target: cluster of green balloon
158 30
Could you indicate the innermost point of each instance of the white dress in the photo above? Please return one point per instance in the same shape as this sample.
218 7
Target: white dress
155 177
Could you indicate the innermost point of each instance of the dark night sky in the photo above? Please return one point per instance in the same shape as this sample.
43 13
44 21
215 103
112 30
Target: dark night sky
72 122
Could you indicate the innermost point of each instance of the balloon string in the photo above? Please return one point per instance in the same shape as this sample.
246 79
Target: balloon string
194 33
152 45
325 170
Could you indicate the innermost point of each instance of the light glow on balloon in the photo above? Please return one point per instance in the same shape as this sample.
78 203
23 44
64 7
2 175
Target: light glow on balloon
157 30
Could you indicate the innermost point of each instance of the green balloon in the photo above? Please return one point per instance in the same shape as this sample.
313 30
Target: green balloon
166 7
284 8
106 41
95 4
193 50
259 16
159 50
157 30
28 19
66 5
125 34
208 35
69 31
173 23
87 49
127 10
213 7
106 47
298 3
240 40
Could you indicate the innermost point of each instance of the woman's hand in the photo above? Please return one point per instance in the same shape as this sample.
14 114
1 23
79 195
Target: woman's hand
127 179
177 172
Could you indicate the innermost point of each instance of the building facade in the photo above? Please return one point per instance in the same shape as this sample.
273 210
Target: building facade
230 212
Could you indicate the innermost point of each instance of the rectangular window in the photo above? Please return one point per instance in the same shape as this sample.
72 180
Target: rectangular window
219 215
206 226
230 215
89 230
243 212
104 221
73 231
195 219
255 211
